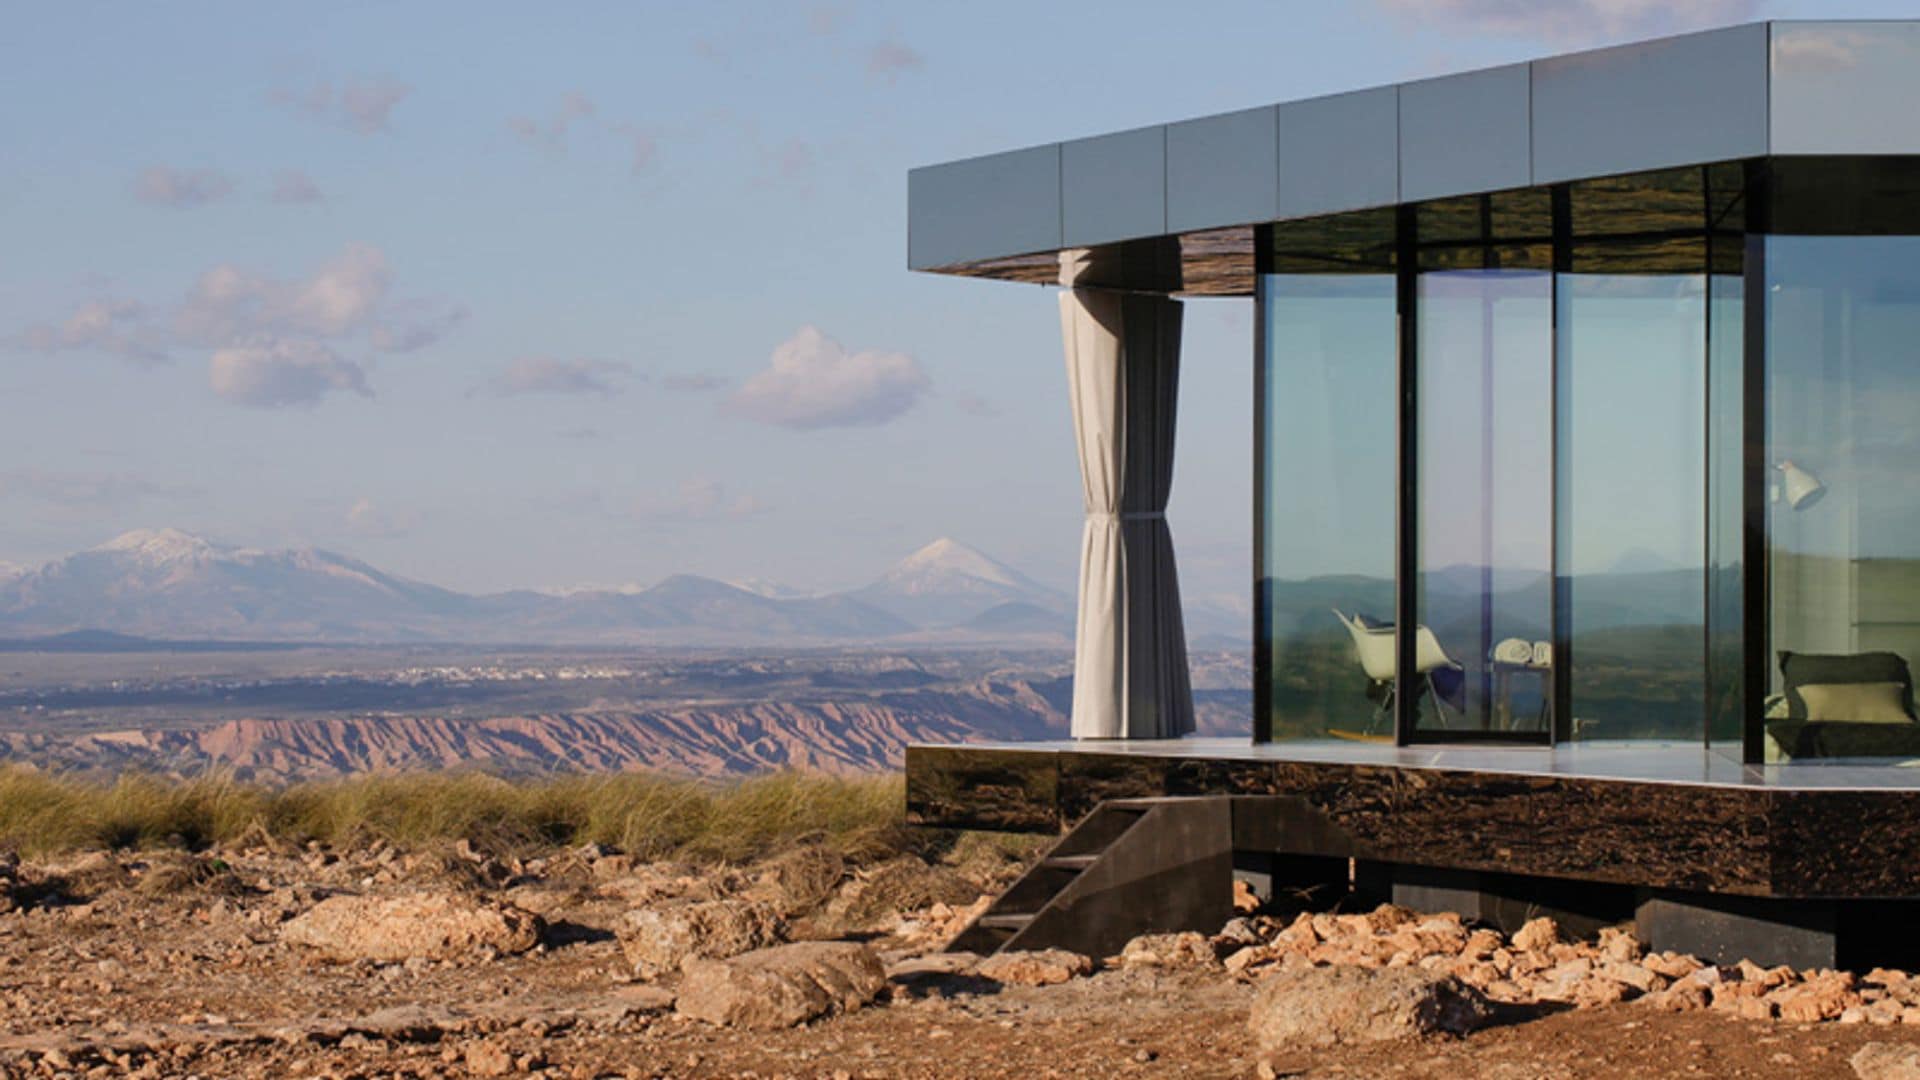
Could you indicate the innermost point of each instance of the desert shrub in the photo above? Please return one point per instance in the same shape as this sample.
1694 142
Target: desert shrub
41 812
649 815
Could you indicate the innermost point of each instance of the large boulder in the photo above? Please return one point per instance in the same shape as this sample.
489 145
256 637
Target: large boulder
432 926
661 939
782 986
1334 1005
1886 1061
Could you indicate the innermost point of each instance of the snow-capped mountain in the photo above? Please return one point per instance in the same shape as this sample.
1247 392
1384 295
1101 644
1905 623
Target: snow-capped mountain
167 582
773 590
164 583
947 583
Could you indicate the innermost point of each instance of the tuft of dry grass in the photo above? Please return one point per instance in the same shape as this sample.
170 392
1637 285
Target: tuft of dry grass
649 815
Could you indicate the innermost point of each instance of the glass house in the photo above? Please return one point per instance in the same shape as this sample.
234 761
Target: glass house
1621 460
1586 425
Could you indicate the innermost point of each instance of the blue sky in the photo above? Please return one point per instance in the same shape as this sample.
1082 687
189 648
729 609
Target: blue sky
495 295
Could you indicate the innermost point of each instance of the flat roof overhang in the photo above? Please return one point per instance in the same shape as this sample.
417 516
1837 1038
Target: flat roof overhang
1171 208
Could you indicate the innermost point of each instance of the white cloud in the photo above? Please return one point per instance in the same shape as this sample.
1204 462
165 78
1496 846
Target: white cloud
813 382
1576 21
362 106
551 134
294 186
271 341
348 296
888 60
120 327
547 375
164 185
278 374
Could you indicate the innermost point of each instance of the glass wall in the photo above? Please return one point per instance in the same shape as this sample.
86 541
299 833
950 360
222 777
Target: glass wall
1632 517
1485 487
1842 462
1627 460
1329 473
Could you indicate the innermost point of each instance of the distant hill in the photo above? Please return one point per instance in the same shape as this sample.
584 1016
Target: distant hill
947 583
102 641
165 585
1018 617
170 586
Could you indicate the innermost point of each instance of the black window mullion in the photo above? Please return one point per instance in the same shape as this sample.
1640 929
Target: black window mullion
1406 500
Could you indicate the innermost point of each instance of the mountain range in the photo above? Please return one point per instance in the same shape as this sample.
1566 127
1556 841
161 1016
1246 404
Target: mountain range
172 584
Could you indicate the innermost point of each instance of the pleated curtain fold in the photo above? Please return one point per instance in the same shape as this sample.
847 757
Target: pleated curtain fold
1130 649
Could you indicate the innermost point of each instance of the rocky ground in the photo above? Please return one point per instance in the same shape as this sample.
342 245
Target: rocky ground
376 962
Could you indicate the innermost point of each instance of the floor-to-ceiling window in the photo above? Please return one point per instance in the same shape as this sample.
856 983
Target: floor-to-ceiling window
1626 459
1328 473
1483 449
1632 334
1843 494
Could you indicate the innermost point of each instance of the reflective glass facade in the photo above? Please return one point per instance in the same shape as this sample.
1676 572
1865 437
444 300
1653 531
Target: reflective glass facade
1484 377
1624 460
1328 392
1842 494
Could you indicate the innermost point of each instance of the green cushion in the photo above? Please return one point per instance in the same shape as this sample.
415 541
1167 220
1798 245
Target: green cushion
1800 669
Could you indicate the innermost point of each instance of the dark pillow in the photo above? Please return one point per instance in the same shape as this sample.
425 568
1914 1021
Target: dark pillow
1803 669
1368 622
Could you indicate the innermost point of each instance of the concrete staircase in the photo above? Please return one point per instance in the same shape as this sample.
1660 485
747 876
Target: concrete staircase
1131 867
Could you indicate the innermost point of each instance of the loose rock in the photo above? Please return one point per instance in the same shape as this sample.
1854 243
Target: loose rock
661 939
1183 950
1042 967
781 986
433 926
1886 1061
1538 935
1329 1006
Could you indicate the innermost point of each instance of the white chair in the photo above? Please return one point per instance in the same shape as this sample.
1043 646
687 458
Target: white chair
1379 658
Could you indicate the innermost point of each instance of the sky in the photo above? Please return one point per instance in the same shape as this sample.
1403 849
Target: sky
494 295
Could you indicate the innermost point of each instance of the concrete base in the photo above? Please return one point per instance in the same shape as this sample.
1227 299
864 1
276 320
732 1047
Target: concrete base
1726 929
1310 881
1506 901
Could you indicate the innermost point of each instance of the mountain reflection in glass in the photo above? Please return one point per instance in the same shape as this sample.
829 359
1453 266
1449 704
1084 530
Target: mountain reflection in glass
1329 428
1485 460
1632 530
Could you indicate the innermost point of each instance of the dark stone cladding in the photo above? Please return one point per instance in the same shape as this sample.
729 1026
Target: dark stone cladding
1745 841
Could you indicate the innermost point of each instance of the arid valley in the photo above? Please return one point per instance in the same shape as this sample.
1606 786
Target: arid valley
306 713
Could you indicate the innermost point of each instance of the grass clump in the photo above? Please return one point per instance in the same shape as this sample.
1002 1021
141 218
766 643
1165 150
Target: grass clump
649 815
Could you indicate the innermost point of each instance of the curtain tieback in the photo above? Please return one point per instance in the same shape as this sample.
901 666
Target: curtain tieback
1131 515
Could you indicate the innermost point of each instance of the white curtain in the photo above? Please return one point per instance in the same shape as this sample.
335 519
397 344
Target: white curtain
1130 651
